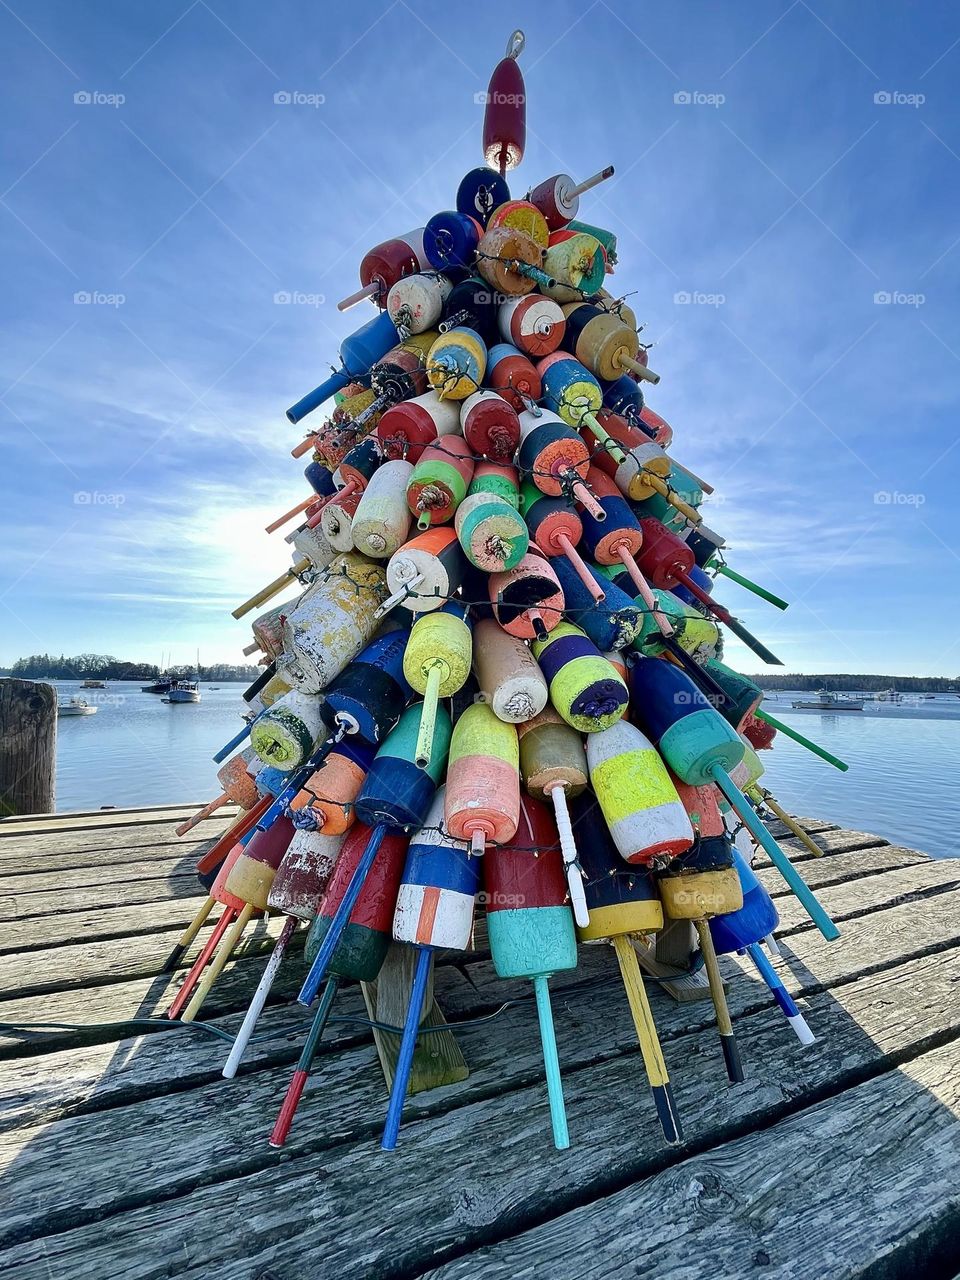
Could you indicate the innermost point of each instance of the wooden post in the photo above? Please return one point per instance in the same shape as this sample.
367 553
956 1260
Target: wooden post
28 747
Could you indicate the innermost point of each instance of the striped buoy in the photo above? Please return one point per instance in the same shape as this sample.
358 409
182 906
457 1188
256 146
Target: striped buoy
554 456
527 600
304 873
510 373
435 902
584 688
287 732
456 364
521 215
483 780
558 198
533 324
424 572
575 263
407 428
491 530
607 239
612 623
603 343
640 804
330 791
382 520
439 481
509 260
555 527
367 698
336 520
507 672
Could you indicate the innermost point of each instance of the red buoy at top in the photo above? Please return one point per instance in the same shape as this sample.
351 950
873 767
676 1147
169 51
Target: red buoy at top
505 114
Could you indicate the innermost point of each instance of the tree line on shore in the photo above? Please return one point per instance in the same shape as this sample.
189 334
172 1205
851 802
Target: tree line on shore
102 666
866 684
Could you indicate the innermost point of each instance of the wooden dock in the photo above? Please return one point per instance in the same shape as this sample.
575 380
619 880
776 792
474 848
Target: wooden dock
125 1154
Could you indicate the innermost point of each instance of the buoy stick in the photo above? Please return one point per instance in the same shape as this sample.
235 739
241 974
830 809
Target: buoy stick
568 848
401 1074
245 823
349 488
773 946
428 714
193 976
571 193
304 446
788 822
532 273
728 1041
650 1049
368 291
252 1015
294 511
251 648
272 588
199 816
341 917
216 968
234 742
398 597
782 996
745 582
551 1063
583 495
804 742
188 935
657 482
664 625
591 421
794 880
299 1079
538 624
641 370
580 568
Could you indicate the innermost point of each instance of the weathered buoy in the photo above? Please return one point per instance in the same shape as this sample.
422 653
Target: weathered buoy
483 782
584 688
558 198
407 428
507 672
490 426
358 353
382 520
425 572
527 600
456 364
488 524
533 324
436 664
505 111
439 481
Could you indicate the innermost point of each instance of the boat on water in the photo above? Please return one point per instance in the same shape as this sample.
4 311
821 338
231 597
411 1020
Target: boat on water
93 684
827 701
184 691
889 695
162 685
75 707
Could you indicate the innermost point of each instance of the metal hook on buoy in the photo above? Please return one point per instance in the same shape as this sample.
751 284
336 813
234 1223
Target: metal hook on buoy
515 44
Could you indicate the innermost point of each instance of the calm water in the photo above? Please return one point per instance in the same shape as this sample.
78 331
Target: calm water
902 784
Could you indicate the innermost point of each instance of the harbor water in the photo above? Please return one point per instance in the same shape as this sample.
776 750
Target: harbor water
902 783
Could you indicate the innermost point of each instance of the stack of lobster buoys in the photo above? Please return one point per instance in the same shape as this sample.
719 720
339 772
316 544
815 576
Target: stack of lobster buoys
500 672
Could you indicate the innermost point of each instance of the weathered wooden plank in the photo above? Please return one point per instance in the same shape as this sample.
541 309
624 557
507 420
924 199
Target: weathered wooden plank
852 900
100 819
839 840
463 992
891 1199
65 855
843 866
182 883
445 1194
35 933
69 967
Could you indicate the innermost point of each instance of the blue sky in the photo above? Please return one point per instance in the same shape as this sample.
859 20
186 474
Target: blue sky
784 197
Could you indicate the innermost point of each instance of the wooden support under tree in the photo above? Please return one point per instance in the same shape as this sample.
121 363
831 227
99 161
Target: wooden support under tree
28 747
437 1059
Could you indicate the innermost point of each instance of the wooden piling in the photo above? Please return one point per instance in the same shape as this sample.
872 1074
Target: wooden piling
28 747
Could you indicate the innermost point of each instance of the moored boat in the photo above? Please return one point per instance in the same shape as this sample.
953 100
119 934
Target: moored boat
827 701
76 707
183 691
